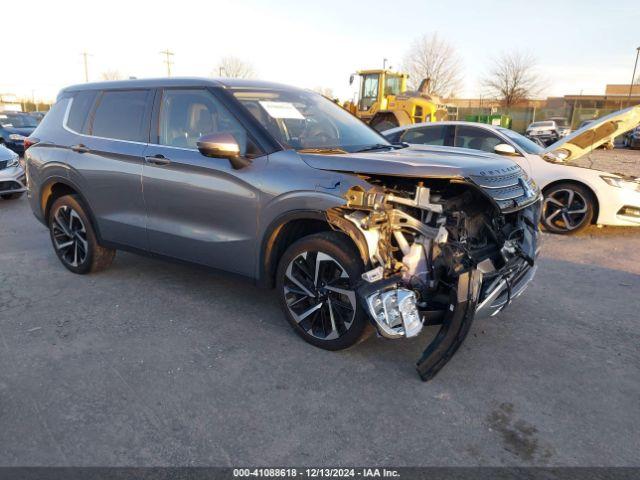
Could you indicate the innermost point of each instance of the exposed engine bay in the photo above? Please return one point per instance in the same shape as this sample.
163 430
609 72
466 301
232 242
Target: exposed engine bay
440 251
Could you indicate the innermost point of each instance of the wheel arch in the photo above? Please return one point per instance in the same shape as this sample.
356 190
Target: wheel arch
596 204
57 187
290 227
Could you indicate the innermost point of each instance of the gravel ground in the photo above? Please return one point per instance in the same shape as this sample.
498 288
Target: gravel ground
153 363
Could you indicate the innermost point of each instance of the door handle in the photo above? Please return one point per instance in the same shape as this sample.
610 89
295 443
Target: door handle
157 160
80 148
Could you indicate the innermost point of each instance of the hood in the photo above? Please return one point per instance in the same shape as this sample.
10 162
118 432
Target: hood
416 161
598 132
24 131
6 154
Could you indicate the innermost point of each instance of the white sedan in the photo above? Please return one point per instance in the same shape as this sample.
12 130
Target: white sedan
574 197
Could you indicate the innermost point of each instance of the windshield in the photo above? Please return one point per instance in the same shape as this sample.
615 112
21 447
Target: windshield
523 142
305 121
18 121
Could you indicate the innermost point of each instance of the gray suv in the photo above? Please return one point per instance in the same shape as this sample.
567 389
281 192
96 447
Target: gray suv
284 187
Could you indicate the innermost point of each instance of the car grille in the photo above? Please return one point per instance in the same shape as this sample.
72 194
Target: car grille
511 191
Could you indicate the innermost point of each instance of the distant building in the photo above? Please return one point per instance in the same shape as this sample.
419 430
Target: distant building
615 97
9 103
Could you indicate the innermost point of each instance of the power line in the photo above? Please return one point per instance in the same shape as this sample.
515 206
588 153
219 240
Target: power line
168 54
85 54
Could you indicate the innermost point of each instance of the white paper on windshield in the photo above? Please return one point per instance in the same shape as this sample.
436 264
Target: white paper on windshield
282 110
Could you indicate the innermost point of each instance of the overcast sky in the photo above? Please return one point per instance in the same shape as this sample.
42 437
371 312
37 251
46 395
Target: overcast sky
579 45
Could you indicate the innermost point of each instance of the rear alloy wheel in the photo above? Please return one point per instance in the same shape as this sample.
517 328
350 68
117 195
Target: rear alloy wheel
73 238
567 209
316 282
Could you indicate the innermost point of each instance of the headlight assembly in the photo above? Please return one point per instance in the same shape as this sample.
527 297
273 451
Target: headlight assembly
621 183
13 161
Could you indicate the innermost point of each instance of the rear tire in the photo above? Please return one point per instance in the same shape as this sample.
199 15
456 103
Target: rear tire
316 281
11 196
384 122
74 239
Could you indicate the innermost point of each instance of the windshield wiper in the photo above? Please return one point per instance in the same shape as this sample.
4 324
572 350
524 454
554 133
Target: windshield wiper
327 150
380 146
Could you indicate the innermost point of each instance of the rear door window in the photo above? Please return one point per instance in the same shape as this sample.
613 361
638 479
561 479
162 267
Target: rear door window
123 115
476 138
79 113
430 135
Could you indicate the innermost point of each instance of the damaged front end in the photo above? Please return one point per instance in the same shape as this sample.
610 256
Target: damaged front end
440 251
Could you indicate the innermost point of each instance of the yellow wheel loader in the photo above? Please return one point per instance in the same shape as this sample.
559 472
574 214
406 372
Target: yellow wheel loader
384 102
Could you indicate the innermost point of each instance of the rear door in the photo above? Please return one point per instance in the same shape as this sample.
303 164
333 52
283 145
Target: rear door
199 208
107 161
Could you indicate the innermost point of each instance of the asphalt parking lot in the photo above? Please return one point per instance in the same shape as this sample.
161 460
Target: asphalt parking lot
153 363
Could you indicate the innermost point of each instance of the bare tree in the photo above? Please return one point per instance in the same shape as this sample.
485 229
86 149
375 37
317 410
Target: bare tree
233 67
431 57
513 78
325 91
111 75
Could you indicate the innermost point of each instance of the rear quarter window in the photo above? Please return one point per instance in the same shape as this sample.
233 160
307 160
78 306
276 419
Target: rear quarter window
79 113
122 115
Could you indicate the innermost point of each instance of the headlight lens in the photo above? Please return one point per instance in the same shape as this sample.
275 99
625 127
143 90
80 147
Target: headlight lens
13 161
621 183
16 137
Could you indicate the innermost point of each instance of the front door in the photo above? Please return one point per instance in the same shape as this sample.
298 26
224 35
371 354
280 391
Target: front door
200 209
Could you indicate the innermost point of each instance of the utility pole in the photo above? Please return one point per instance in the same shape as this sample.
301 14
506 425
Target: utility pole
220 70
168 54
633 77
384 63
85 54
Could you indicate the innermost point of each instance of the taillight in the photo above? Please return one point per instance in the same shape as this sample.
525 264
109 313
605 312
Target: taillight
30 141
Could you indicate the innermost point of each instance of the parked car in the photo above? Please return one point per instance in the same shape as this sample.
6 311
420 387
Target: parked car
632 138
14 128
38 115
12 178
564 128
546 132
574 197
285 187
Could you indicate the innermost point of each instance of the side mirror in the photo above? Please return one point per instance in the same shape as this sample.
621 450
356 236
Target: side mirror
222 145
504 149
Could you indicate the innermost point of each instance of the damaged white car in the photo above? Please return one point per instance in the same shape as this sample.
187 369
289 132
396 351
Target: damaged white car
574 196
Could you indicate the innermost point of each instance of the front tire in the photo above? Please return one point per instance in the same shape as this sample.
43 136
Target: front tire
316 281
74 239
567 208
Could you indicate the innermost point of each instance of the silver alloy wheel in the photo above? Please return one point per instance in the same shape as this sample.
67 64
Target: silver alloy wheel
69 236
319 296
565 209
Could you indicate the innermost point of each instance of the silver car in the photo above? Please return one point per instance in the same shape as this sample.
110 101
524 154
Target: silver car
284 187
12 178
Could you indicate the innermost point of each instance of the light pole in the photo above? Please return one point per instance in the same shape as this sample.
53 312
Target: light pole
633 77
